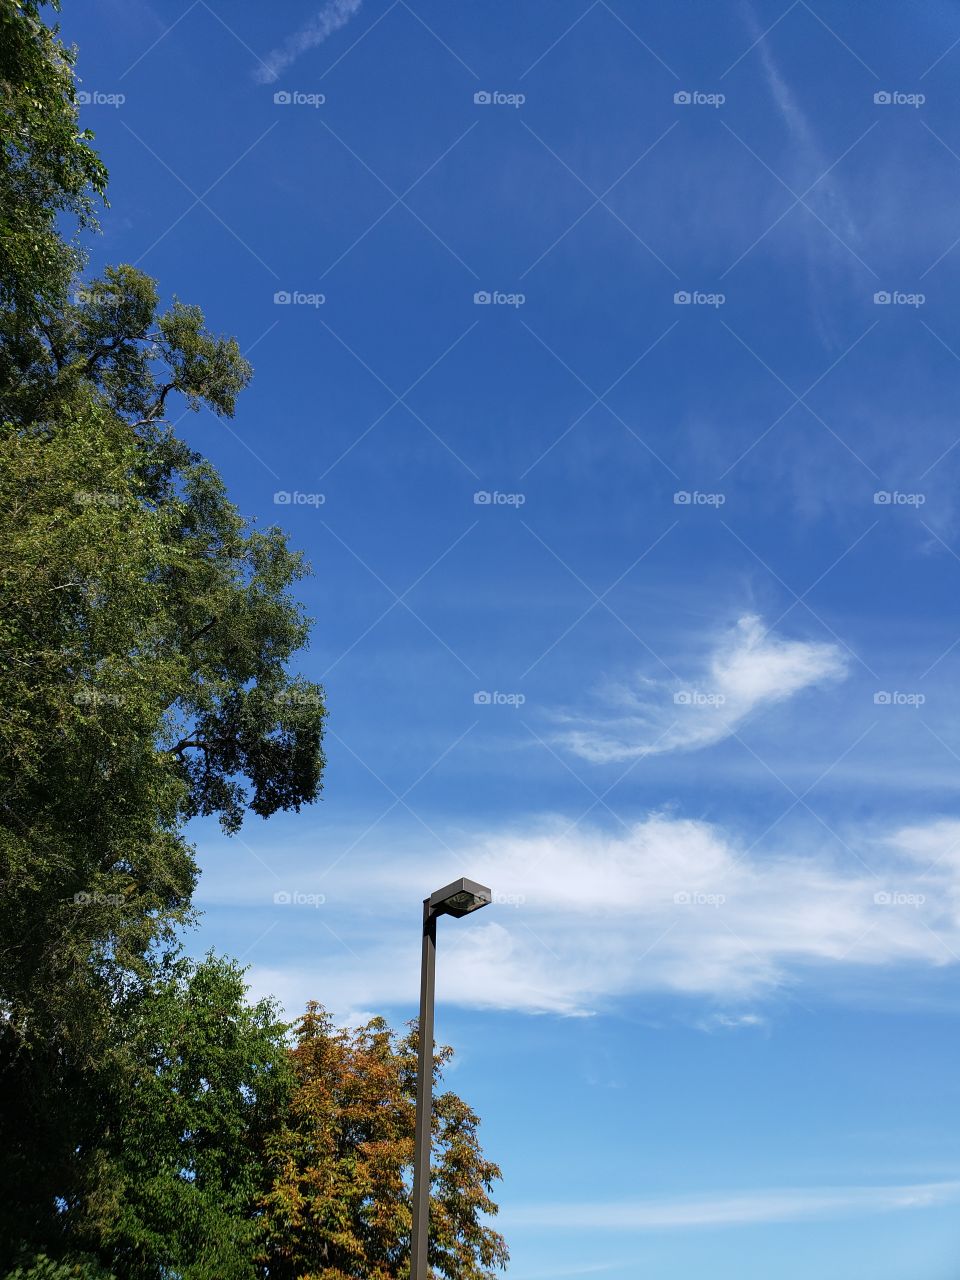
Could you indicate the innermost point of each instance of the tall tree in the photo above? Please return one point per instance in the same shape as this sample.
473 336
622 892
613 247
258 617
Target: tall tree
145 632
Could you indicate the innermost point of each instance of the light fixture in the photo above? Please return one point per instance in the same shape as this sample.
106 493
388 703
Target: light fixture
460 898
457 899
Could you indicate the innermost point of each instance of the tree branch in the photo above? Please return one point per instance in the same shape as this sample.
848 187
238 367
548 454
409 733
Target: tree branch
202 632
157 409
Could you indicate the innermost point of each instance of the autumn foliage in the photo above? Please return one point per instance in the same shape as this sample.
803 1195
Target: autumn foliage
339 1208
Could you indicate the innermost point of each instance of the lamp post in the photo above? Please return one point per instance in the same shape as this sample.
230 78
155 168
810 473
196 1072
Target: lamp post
457 899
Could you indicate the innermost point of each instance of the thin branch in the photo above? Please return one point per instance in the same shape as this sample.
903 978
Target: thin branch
157 409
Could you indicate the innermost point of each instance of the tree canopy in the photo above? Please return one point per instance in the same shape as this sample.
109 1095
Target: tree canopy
339 1207
146 637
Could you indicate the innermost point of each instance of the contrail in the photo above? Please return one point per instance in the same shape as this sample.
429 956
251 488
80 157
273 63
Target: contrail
333 16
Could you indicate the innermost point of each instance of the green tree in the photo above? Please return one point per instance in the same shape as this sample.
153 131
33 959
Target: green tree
183 1166
339 1208
145 632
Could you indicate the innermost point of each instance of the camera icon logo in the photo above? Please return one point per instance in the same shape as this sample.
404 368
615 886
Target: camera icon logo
482 498
882 498
682 899
83 98
482 298
283 97
882 98
282 497
882 298
283 897
282 298
883 898
681 298
882 699
481 698
681 498
482 98
682 698
682 98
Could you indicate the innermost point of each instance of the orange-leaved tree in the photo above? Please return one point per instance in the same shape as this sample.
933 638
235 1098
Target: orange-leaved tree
339 1207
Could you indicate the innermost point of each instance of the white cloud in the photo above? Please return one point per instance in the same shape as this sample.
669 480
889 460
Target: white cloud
724 1210
750 668
584 918
334 15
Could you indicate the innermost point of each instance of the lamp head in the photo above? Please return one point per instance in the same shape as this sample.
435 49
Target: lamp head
460 898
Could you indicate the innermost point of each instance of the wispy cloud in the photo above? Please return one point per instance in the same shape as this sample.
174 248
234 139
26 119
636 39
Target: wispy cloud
730 1021
584 919
334 15
805 146
835 243
744 1209
749 668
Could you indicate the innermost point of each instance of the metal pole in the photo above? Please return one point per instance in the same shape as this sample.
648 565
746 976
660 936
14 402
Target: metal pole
419 1237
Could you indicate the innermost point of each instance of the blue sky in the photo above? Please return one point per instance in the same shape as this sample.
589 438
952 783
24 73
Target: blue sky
636 585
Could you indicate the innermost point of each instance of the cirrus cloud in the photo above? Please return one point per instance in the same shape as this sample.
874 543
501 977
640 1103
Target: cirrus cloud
583 919
749 668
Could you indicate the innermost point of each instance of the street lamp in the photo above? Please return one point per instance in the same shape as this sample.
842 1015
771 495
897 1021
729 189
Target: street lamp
457 899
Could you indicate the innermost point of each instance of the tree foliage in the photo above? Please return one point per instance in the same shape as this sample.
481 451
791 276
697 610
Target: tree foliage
145 635
224 1153
47 167
145 631
339 1208
183 1169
